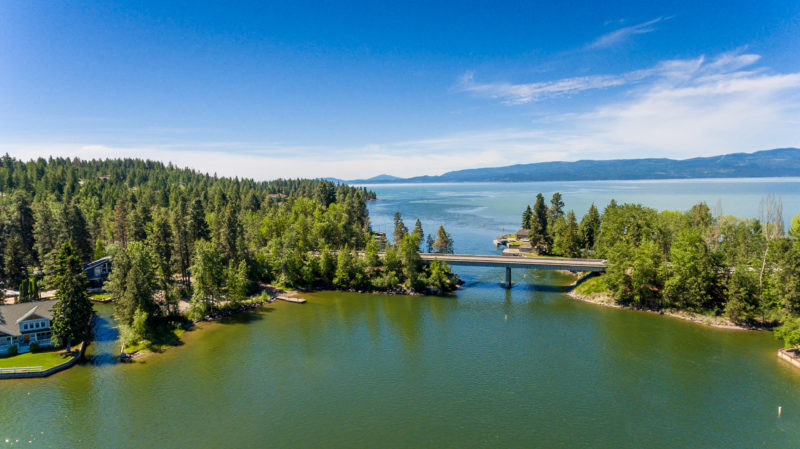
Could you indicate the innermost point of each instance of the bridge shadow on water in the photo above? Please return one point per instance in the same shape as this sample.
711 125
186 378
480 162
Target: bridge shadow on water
526 284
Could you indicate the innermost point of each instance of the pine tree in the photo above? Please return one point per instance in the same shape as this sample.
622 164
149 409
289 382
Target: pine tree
237 282
121 223
208 274
539 234
181 243
400 229
443 243
15 261
99 249
556 208
72 311
418 231
429 244
23 224
526 217
590 227
136 291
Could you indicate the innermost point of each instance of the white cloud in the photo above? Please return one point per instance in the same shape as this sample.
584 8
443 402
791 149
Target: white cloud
617 36
677 108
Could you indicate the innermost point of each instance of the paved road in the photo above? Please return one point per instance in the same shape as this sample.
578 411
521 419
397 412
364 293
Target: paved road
541 263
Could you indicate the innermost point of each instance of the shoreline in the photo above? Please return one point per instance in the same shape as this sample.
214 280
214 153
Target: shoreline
718 322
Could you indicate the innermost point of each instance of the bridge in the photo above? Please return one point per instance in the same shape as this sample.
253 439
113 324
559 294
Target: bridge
508 262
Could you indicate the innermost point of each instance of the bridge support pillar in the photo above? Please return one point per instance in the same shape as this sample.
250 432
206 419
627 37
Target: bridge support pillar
508 277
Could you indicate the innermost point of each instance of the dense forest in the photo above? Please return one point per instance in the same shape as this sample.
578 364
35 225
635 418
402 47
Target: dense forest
746 269
174 234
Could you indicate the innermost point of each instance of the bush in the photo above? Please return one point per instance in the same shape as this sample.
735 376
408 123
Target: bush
13 350
789 332
34 347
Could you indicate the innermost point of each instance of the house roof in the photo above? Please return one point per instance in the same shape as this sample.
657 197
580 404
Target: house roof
524 232
11 315
97 262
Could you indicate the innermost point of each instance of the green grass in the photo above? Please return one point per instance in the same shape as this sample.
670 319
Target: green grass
592 286
163 338
99 296
46 359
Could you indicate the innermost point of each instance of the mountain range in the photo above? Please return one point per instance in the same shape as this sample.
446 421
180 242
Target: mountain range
779 162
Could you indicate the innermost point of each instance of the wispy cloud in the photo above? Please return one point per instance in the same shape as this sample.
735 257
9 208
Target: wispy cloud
677 108
672 71
617 36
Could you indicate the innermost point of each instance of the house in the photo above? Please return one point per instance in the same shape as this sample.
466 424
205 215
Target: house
526 248
97 271
26 323
524 234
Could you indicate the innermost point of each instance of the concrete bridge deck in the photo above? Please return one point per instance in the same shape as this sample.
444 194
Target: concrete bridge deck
508 262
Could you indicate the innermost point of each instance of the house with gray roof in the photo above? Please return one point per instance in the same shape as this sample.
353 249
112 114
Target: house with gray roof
26 323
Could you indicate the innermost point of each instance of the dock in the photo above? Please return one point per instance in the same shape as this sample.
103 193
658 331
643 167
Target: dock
293 299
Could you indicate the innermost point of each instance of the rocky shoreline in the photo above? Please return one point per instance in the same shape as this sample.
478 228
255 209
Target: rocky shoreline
719 322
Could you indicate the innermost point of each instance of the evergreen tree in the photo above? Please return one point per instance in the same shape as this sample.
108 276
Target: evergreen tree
121 223
568 238
590 227
72 311
344 268
16 261
23 224
208 274
230 233
527 216
443 243
400 229
429 244
181 242
160 240
539 231
139 285
237 283
410 260
556 208
45 234
99 249
73 228
197 225
418 231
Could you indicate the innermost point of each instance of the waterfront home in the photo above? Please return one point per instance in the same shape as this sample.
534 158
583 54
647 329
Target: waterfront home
25 323
97 271
524 235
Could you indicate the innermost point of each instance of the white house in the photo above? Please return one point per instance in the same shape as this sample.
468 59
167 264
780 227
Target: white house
25 323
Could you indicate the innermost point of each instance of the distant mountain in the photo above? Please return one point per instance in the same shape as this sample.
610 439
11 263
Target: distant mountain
379 179
779 162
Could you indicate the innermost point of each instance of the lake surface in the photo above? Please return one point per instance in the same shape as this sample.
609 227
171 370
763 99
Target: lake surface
485 367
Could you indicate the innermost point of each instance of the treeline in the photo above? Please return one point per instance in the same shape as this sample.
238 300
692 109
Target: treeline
552 232
175 233
746 269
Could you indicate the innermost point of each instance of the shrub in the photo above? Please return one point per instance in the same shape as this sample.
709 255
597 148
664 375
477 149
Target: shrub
34 347
13 350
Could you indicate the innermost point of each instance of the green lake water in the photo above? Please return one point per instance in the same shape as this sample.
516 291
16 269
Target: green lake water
485 367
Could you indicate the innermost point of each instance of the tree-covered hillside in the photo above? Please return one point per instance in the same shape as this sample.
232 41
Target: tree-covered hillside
175 233
745 269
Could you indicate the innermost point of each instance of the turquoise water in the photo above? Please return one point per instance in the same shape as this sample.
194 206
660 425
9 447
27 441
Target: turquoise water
485 367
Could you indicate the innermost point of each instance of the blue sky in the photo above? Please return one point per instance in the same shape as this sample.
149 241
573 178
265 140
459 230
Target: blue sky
355 89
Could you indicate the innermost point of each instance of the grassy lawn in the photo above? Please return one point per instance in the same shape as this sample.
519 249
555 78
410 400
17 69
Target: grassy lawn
592 286
164 338
100 296
45 358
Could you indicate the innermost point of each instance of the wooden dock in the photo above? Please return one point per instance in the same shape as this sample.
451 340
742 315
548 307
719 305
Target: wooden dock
294 299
